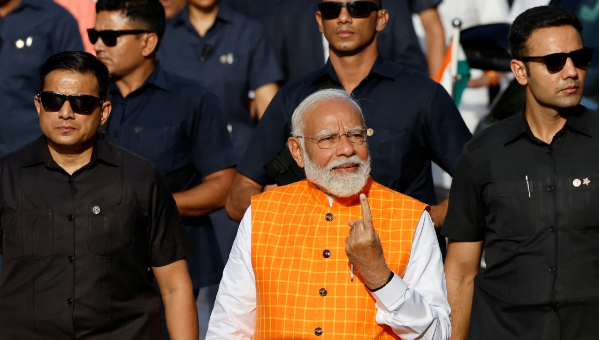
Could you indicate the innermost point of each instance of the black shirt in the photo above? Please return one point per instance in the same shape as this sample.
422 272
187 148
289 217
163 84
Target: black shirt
413 122
541 235
78 249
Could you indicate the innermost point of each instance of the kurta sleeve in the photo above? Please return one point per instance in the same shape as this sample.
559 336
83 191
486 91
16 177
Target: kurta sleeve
234 313
416 305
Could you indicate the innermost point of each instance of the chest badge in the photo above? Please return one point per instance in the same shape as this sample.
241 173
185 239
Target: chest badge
369 132
227 58
96 210
586 181
576 183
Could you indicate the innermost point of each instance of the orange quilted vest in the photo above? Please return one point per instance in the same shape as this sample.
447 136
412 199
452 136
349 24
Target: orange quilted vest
302 273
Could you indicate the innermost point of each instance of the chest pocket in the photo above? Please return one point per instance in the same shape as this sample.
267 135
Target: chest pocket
157 145
111 229
28 235
582 201
510 210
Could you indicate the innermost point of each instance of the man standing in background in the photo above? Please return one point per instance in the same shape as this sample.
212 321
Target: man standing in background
174 122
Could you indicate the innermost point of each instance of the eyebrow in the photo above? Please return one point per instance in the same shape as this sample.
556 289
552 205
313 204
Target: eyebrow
326 132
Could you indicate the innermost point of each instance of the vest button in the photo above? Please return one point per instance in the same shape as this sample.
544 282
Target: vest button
323 292
318 331
326 253
329 217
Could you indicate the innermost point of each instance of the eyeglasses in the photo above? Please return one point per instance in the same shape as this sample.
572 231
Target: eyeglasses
356 9
355 136
555 62
80 103
109 37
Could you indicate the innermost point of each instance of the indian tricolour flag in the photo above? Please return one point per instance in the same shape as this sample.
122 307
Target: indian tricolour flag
455 72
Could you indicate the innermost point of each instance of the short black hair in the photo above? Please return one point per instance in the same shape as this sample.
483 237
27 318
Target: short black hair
535 18
142 14
80 62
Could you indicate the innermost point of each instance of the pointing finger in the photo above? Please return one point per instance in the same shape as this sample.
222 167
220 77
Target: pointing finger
367 215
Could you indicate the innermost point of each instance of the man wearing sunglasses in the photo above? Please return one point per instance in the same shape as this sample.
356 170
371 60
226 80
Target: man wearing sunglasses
173 121
526 190
87 225
412 121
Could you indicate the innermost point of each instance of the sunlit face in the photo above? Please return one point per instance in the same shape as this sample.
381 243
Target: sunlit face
64 129
172 7
556 90
343 170
127 55
347 35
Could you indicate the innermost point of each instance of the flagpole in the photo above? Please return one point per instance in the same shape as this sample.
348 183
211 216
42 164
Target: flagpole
455 46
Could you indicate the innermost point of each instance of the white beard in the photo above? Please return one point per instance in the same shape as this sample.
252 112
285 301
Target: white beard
340 184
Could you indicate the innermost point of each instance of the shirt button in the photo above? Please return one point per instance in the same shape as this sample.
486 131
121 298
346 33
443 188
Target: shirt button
326 254
329 217
69 301
552 229
550 188
318 331
70 258
70 217
70 180
552 269
138 129
554 309
549 151
323 292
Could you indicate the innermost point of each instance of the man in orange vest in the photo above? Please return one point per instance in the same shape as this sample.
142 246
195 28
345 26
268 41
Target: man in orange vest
337 254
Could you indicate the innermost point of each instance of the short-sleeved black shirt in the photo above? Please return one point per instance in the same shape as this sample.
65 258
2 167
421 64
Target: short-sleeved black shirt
78 249
541 235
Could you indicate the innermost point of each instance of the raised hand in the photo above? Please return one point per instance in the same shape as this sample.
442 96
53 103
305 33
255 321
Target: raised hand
363 248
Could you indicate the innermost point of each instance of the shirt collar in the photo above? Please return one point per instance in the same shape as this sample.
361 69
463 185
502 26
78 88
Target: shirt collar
30 3
156 79
578 120
39 153
381 68
323 199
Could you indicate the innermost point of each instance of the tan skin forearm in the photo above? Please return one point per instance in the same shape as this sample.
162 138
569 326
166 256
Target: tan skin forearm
179 303
263 96
438 213
461 266
207 196
240 196
435 39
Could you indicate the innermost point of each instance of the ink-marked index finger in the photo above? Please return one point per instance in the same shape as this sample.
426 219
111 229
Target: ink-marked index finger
366 214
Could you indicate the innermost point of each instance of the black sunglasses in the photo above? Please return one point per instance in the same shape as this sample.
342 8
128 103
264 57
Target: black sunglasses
555 62
80 103
109 37
356 9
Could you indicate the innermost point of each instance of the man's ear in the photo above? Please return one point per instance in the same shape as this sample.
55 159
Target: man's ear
150 42
105 112
319 21
520 71
38 106
295 148
382 20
